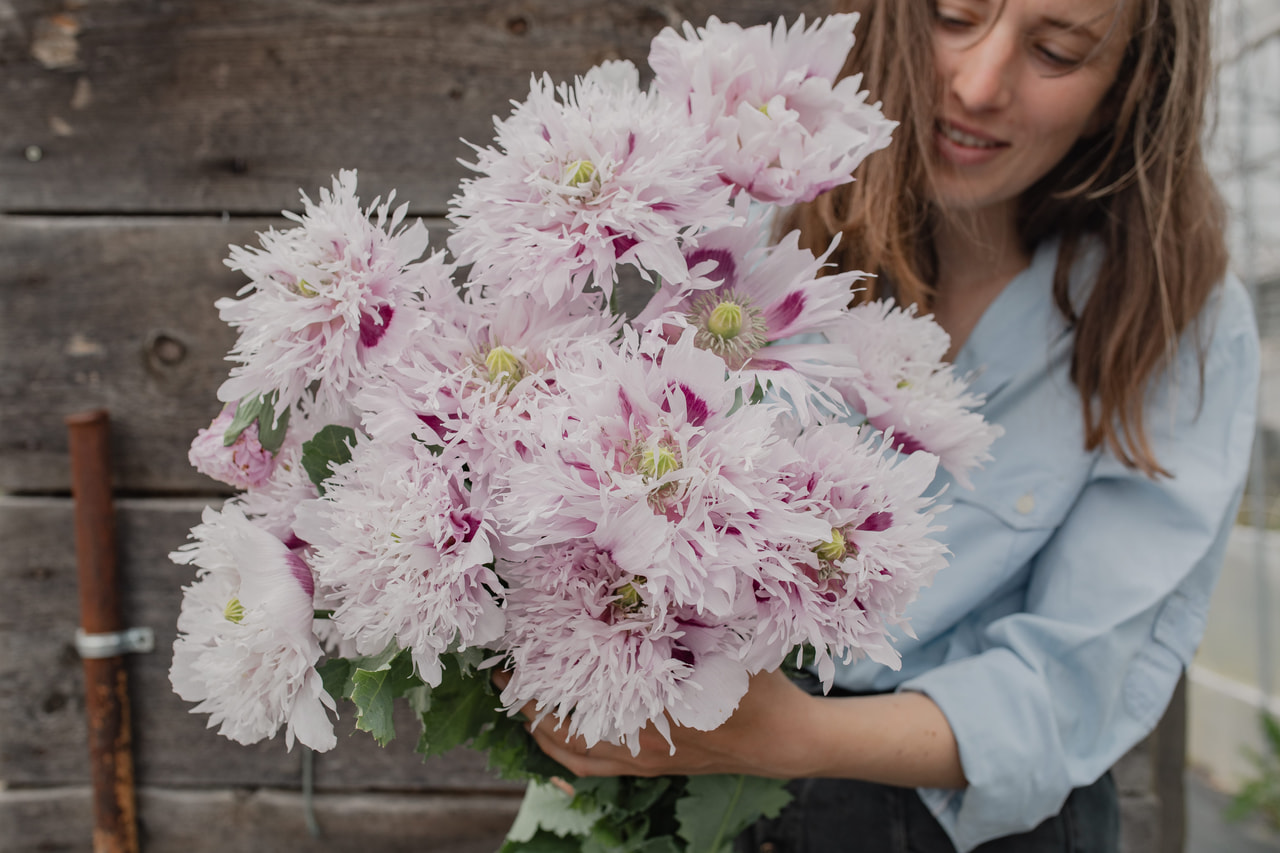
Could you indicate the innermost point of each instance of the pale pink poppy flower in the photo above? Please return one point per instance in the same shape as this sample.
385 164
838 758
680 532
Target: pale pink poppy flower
329 302
781 127
245 649
906 386
584 178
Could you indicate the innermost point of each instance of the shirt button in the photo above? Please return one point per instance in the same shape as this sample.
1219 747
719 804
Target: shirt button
1025 504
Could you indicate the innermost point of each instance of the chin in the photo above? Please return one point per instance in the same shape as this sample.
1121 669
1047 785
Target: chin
958 197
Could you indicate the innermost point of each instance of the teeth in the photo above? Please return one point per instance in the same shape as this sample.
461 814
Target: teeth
961 138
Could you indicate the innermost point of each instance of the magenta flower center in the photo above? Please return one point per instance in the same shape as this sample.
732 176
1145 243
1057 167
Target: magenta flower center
374 326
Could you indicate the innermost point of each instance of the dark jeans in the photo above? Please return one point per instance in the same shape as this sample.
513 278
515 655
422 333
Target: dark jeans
845 816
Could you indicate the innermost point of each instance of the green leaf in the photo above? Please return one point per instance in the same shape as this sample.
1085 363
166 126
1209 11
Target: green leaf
260 408
592 790
757 393
716 808
470 658
663 844
464 709
642 794
271 431
793 665
454 717
543 842
1271 728
247 411
419 699
382 660
374 694
335 673
547 807
329 447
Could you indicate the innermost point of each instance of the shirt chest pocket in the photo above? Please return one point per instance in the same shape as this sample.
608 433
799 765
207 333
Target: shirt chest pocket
1009 515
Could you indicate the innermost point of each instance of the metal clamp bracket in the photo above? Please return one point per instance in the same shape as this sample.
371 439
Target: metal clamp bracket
131 641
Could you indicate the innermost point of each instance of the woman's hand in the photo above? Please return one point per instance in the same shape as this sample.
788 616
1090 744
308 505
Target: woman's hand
765 736
780 731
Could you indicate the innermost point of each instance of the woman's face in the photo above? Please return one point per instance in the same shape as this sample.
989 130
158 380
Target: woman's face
1022 80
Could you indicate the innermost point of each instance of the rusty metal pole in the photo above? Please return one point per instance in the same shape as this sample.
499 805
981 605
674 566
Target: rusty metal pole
115 828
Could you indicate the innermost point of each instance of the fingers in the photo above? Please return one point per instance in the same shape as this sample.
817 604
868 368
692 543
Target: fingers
653 757
600 759
553 738
501 678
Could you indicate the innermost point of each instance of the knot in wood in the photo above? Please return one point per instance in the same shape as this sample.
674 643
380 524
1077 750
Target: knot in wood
166 350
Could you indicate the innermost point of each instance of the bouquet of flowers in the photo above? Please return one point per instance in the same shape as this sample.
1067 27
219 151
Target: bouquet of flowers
443 473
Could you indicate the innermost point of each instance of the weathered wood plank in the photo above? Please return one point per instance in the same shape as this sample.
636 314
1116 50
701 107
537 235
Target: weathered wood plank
132 105
1141 816
115 313
118 312
173 821
1134 773
1169 767
43 742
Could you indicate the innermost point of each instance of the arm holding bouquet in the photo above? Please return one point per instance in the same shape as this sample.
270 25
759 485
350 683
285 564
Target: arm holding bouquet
1095 585
780 731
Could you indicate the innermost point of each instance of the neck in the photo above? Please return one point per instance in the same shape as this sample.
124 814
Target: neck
978 254
975 249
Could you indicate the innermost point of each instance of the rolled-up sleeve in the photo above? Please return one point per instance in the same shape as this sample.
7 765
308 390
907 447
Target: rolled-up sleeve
1115 602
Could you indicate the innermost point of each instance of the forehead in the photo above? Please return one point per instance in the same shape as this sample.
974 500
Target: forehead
1097 17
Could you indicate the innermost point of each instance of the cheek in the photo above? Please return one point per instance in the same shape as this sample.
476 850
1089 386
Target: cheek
1063 121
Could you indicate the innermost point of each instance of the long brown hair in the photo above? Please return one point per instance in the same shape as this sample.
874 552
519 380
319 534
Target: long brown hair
1139 188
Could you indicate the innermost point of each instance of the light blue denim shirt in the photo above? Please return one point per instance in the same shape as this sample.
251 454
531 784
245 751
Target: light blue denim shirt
1077 588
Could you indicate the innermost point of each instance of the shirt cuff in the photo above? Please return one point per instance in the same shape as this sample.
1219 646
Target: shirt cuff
1011 754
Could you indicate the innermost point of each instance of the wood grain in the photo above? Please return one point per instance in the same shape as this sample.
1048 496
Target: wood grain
231 105
118 313
43 739
54 820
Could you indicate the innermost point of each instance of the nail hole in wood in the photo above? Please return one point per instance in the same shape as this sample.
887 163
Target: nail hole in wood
167 350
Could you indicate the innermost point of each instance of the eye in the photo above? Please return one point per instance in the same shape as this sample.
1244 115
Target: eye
1055 57
950 22
954 19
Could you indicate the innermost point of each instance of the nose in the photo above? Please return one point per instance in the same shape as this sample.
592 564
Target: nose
980 74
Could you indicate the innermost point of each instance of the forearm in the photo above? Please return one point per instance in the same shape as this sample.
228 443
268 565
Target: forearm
782 732
895 739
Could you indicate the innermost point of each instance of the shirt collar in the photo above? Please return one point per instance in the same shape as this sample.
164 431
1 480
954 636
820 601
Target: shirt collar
1016 328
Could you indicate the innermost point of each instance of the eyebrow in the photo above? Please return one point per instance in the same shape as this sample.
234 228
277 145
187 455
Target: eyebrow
1082 27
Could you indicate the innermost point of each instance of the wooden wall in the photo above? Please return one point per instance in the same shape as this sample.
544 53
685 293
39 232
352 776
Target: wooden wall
138 138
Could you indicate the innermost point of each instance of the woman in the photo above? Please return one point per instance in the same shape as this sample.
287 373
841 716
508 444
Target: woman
1046 199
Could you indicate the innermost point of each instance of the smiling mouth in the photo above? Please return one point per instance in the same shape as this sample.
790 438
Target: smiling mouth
968 140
